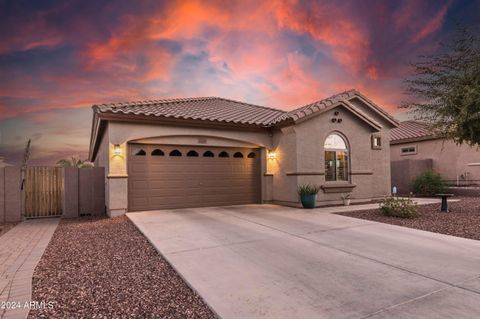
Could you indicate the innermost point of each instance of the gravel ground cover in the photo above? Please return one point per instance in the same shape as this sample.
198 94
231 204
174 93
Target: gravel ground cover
463 219
6 227
105 268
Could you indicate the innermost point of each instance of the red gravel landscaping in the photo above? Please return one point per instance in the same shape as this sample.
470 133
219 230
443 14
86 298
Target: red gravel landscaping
105 268
463 219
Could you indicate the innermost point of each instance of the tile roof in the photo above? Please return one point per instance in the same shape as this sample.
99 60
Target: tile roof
343 96
410 130
229 111
202 108
320 105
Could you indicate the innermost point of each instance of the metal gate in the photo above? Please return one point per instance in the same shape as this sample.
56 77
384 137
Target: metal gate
43 191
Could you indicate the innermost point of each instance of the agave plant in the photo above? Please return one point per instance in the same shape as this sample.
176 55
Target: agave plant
306 190
74 162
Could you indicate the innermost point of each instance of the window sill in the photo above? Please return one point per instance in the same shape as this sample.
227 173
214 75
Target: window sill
304 173
338 187
117 175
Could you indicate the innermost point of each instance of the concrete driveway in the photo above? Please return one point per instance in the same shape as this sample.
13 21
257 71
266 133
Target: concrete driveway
266 261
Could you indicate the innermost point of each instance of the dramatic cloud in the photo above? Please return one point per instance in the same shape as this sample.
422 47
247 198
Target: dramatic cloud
60 57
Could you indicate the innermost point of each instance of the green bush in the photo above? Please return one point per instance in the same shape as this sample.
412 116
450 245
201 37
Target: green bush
429 183
308 189
398 207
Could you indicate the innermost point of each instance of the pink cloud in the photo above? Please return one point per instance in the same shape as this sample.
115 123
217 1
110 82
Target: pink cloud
348 42
372 73
432 25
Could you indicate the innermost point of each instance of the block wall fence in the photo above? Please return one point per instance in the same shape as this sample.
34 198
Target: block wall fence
83 193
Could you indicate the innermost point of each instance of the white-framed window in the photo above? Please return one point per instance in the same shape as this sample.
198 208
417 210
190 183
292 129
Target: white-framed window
336 158
376 142
408 150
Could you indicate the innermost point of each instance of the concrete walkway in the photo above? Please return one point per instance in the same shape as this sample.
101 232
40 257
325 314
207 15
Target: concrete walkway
20 250
267 261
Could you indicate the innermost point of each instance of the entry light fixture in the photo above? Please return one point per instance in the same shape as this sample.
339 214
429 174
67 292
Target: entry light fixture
117 150
271 154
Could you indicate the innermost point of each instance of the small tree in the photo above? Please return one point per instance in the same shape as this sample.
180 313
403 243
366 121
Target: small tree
445 89
429 183
74 162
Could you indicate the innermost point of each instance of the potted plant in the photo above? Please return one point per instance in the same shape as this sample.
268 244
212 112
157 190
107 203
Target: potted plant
308 195
346 199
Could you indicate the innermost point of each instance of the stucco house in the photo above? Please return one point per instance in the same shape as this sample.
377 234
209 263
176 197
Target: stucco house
211 151
414 148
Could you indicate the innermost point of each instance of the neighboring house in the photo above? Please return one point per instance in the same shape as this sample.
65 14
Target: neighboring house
212 151
414 148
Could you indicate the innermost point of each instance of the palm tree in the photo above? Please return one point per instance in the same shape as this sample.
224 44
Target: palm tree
74 162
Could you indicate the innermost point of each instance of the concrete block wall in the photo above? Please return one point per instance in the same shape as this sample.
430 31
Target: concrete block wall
405 171
84 191
10 194
70 192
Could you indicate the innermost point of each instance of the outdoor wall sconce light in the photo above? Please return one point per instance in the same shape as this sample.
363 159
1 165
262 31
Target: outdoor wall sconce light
117 150
271 154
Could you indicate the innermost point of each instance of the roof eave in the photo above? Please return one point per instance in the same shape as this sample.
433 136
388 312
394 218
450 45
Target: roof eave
139 118
371 122
394 122
95 136
415 139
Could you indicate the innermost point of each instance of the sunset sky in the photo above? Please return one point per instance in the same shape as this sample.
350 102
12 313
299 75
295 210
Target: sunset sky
57 58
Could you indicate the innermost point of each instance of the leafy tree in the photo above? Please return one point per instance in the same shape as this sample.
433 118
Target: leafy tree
445 89
74 162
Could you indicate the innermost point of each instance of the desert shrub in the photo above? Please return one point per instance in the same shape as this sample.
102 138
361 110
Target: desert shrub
429 183
305 190
398 207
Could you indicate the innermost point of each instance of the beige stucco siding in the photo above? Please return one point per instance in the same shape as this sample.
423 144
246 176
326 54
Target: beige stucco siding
102 159
123 133
285 147
449 159
298 149
360 105
300 157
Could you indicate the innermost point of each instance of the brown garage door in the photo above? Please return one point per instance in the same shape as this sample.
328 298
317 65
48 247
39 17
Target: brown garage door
170 176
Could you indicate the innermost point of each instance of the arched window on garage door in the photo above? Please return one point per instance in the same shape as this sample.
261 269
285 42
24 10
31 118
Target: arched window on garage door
238 155
175 153
251 155
140 152
192 153
223 154
208 154
157 152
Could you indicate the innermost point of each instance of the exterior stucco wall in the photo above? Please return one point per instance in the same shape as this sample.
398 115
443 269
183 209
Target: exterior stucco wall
102 160
300 158
370 112
299 155
369 168
285 146
449 160
123 133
